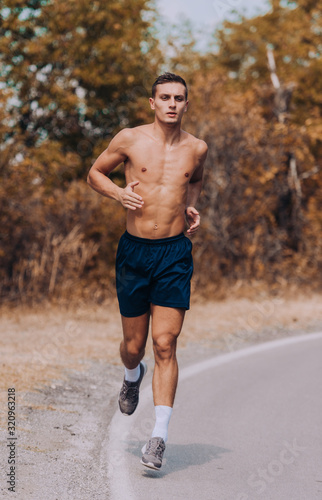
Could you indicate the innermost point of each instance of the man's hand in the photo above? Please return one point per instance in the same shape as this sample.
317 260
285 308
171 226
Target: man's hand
193 219
129 198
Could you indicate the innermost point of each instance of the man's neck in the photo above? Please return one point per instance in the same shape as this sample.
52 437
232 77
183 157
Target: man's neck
166 133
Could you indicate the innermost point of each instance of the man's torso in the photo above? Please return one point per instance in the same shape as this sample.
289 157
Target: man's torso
164 173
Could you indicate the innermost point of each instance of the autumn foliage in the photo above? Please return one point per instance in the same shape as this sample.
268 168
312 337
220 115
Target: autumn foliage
72 74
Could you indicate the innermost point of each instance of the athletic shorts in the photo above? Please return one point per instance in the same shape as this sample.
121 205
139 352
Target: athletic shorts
153 271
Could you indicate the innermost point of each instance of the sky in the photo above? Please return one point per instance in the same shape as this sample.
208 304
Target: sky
206 15
209 12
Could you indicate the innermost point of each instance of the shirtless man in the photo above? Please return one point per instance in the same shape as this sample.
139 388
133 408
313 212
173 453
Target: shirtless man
163 171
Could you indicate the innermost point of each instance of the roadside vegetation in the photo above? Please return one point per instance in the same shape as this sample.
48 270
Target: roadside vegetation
72 74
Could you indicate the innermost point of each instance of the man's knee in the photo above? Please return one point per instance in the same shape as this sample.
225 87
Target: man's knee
132 348
164 346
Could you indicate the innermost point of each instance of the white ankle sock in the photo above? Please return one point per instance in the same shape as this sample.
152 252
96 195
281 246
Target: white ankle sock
162 415
132 375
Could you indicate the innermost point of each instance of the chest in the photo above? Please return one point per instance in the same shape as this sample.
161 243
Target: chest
156 164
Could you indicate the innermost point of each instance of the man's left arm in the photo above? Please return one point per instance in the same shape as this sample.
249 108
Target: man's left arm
194 189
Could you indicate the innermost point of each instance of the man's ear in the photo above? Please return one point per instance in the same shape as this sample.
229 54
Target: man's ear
186 106
151 101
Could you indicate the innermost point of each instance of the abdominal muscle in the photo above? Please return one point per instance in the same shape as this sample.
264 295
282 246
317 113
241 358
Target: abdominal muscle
162 214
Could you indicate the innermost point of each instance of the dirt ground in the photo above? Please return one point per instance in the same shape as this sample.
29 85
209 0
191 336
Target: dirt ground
65 368
40 345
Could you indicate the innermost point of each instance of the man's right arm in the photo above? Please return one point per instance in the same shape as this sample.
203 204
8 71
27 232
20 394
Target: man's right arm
98 179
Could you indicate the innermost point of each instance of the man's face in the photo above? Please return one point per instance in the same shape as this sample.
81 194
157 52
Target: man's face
169 102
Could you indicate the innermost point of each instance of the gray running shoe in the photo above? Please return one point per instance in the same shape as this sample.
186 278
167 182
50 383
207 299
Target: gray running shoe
129 394
153 453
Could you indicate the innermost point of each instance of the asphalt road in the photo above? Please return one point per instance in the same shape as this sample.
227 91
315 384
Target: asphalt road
246 425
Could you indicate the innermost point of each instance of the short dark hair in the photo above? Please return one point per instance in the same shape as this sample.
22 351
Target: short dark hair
166 78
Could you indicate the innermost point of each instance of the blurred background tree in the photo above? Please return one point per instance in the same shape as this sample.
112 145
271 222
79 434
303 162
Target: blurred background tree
77 72
72 74
293 32
261 215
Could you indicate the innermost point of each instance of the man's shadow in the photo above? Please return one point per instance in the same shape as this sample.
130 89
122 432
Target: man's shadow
179 456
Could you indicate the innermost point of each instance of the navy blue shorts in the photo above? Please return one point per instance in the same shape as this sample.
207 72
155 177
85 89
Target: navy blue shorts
153 271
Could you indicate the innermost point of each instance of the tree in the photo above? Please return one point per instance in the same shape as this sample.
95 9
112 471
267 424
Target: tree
71 75
252 225
78 69
293 32
263 177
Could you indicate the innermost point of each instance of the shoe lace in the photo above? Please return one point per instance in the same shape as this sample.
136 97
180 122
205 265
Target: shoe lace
155 448
129 393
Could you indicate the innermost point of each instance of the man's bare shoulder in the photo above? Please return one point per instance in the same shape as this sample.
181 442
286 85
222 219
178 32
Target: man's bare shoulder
126 134
198 145
126 138
201 147
130 134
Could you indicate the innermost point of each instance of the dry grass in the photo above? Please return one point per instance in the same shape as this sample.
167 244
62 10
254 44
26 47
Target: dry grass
42 344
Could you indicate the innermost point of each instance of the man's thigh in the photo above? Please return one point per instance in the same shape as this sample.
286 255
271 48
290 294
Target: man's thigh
136 329
166 322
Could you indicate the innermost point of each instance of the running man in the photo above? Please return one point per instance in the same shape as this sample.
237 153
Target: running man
163 171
